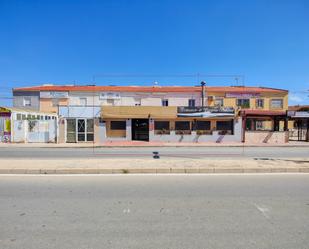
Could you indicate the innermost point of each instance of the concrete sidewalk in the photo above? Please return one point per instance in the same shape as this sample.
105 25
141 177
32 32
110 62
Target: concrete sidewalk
149 144
123 166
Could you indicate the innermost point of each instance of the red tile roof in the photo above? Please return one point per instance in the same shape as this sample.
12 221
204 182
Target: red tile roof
152 89
299 108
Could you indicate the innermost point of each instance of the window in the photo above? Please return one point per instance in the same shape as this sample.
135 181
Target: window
23 116
182 127
90 130
243 103
110 102
18 116
162 127
276 103
27 101
219 102
225 127
164 102
260 103
259 125
55 102
191 102
202 125
83 101
137 101
118 125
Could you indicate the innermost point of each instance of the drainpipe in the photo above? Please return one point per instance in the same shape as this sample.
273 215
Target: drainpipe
203 83
244 119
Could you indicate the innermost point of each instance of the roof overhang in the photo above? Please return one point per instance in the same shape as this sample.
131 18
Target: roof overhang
262 113
139 112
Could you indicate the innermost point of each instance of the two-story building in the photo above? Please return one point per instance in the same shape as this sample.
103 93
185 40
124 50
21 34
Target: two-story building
161 113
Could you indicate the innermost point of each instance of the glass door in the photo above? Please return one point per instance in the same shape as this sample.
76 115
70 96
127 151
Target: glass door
71 130
81 130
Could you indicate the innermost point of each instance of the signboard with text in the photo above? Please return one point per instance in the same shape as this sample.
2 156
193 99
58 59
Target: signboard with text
54 95
242 95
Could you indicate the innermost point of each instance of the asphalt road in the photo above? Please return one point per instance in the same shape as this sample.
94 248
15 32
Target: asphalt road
155 211
146 152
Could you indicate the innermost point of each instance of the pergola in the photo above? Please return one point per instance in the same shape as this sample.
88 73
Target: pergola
274 116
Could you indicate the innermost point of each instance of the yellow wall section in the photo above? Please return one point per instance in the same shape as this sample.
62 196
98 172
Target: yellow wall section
46 105
231 102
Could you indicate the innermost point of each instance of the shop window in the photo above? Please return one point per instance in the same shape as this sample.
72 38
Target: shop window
162 127
225 127
259 125
202 125
260 103
164 102
191 103
276 103
182 127
203 128
118 125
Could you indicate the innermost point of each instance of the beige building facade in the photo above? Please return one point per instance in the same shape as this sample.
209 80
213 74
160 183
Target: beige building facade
161 113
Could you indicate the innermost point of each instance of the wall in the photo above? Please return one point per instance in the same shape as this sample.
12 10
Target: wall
270 137
18 100
43 131
62 130
46 105
132 99
231 102
79 111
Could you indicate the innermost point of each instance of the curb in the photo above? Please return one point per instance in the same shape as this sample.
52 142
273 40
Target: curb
152 171
167 146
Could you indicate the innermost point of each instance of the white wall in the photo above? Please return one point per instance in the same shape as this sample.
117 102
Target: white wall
131 99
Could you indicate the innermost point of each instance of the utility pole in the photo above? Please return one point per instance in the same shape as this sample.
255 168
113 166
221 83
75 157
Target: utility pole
203 83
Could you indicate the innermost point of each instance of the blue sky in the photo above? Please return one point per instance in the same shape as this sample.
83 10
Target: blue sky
168 41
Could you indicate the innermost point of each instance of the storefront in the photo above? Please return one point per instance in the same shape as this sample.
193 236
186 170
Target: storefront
77 123
299 115
170 124
262 126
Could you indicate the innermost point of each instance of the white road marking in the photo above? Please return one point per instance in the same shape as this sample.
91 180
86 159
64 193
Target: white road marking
159 174
126 211
264 210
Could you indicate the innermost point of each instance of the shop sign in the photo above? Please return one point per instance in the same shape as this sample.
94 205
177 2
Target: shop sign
242 95
54 95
